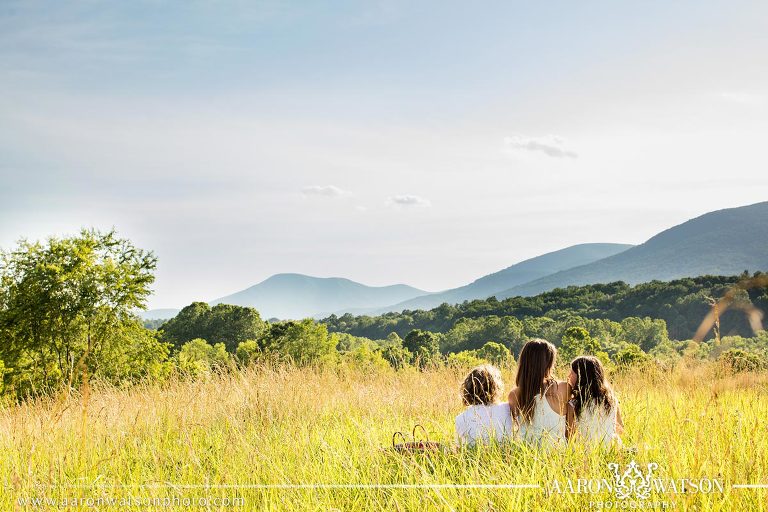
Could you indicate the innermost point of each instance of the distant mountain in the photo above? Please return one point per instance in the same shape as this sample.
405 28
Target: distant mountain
723 242
518 273
158 314
293 296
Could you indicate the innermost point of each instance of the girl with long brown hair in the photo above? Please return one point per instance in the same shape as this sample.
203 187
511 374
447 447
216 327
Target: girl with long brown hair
593 412
538 403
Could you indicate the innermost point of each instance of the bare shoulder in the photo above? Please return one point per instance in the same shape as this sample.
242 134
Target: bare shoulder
563 390
514 396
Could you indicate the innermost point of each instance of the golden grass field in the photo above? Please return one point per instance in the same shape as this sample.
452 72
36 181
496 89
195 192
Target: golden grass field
224 436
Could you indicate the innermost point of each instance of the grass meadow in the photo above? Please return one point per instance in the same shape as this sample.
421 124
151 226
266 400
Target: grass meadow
219 442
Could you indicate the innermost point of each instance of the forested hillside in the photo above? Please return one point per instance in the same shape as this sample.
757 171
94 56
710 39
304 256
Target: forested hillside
681 303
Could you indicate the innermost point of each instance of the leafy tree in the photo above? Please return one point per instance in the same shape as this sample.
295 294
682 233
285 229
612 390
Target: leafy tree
630 355
394 339
424 347
365 356
666 351
67 303
577 341
347 342
247 352
198 356
303 342
495 353
645 332
472 333
223 323
134 353
738 360
394 353
464 360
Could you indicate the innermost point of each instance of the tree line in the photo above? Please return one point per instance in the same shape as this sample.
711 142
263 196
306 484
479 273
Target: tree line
682 304
67 314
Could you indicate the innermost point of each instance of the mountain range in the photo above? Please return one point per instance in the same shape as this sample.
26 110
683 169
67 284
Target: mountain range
523 272
723 242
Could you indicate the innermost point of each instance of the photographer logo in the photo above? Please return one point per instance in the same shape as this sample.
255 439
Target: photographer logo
633 486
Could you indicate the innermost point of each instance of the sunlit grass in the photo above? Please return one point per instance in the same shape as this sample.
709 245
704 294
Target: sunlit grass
304 426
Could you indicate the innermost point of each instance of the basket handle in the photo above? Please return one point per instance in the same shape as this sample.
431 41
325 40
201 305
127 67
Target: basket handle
424 430
394 437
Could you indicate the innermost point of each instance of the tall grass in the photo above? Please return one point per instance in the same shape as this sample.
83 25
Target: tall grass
280 425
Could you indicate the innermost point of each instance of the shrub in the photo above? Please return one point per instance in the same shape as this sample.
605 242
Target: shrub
198 356
738 360
630 355
365 356
495 353
247 352
465 359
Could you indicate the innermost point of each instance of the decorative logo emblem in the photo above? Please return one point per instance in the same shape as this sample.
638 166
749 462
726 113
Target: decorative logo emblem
632 483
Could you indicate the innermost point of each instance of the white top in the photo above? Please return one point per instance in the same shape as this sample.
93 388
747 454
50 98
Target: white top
483 423
546 427
596 425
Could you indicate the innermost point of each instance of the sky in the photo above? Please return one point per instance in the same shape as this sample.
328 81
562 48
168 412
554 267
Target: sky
426 143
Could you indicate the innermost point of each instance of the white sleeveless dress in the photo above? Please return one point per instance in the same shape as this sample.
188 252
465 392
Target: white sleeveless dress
595 425
546 428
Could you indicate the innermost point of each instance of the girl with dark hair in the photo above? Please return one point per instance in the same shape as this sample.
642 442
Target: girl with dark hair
593 412
538 403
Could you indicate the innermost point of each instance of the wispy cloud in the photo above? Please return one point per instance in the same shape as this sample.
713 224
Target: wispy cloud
550 145
409 201
325 191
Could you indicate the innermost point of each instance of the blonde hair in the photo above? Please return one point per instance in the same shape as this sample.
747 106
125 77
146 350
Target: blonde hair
483 386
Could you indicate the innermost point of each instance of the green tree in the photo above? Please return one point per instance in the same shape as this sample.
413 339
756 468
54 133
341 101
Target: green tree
365 356
424 347
198 356
225 323
645 332
577 341
303 342
248 352
394 353
473 333
465 359
495 353
67 303
630 355
738 360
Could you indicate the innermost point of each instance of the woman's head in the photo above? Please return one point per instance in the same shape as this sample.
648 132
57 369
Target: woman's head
483 386
589 383
534 368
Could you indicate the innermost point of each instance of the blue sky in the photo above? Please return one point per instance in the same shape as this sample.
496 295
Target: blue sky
427 143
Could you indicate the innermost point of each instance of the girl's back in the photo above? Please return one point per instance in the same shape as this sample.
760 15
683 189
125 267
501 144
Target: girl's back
546 426
483 423
596 424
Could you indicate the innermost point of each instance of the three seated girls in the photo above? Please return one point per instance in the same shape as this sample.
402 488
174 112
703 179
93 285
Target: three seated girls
540 410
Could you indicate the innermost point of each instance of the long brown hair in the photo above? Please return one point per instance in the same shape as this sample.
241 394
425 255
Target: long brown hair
534 368
591 387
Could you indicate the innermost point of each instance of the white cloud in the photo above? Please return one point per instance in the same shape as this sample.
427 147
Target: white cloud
409 201
550 145
742 98
325 191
